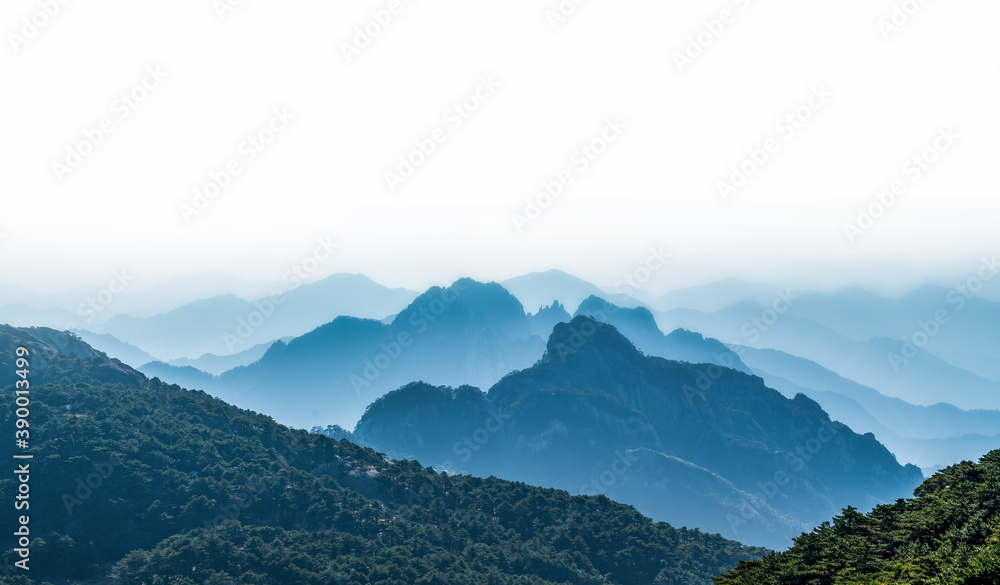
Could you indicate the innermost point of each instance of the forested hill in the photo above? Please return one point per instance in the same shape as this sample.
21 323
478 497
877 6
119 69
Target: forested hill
150 483
52 353
948 534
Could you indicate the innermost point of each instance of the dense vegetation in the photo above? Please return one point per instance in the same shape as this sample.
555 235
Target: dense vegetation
158 484
948 534
335 432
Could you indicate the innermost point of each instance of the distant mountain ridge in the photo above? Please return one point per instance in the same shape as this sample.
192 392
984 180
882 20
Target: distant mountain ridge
114 347
183 488
470 333
211 363
923 379
715 436
228 324
596 409
928 436
538 289
639 326
467 333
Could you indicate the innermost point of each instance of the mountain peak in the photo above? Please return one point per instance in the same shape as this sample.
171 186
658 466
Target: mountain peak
585 334
488 303
640 318
682 334
537 288
552 273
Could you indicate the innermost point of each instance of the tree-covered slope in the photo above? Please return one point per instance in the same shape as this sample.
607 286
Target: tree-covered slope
156 484
949 533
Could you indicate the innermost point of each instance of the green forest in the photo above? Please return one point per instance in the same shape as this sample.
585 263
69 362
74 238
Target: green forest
157 485
138 482
949 533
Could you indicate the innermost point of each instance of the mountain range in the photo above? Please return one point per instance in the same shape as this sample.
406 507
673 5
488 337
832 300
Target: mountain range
467 333
539 289
756 419
183 488
682 442
928 436
340 367
228 324
920 378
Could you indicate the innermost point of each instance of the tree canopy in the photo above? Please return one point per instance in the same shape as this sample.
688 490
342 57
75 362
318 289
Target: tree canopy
159 484
949 533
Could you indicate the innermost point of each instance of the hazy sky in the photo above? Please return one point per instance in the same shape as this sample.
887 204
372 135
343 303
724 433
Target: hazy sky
619 100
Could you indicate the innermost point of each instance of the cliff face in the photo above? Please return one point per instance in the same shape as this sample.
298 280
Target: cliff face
597 416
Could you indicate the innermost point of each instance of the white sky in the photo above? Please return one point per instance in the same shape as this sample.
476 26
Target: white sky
655 186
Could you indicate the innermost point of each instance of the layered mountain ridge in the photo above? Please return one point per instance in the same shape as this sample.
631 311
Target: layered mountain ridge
136 481
593 396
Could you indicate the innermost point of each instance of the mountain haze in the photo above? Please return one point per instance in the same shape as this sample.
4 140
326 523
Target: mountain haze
183 488
879 362
467 333
228 324
596 414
